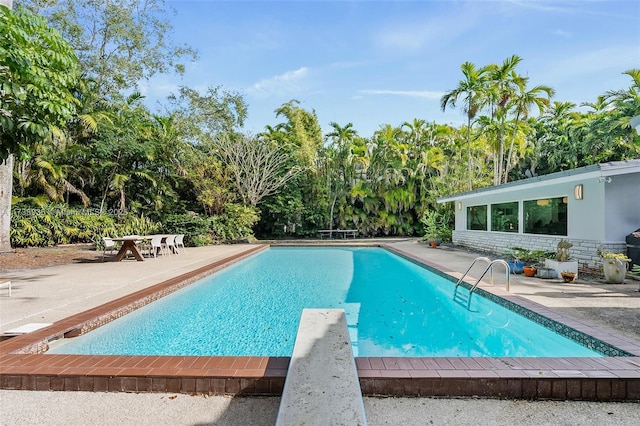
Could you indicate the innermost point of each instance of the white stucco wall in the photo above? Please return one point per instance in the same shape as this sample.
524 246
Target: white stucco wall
607 213
622 206
585 218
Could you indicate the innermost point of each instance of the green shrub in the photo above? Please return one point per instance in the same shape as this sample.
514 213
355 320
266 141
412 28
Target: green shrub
235 224
133 225
196 229
54 224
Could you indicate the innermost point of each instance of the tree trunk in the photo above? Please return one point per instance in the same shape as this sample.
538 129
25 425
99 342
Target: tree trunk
6 189
6 184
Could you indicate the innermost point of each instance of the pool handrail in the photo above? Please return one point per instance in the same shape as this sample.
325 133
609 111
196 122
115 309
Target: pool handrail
489 267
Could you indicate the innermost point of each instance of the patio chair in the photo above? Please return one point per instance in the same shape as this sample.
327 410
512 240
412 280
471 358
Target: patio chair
157 246
109 244
171 244
179 242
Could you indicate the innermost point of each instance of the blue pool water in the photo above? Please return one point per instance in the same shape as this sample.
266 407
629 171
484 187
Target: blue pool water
393 307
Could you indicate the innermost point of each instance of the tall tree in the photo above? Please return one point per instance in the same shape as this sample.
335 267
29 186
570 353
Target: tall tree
522 101
258 167
338 164
119 43
470 90
501 86
38 71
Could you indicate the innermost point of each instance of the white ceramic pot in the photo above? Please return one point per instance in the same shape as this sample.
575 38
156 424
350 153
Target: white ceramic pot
614 270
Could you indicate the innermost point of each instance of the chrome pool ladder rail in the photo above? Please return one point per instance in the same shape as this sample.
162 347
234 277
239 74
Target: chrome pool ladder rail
487 269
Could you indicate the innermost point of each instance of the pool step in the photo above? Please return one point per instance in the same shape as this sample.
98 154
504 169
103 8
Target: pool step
322 386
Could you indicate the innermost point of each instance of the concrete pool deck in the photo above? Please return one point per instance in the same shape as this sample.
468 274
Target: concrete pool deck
52 294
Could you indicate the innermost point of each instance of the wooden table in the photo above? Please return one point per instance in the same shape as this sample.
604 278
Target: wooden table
129 245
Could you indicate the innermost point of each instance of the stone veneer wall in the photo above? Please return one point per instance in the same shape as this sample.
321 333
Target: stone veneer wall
584 251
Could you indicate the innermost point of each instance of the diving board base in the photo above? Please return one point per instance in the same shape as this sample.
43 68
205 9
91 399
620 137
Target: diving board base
322 386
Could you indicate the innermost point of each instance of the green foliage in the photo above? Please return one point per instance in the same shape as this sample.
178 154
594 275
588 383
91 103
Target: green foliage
528 256
236 223
119 43
134 225
37 71
610 255
196 229
562 254
58 224
436 225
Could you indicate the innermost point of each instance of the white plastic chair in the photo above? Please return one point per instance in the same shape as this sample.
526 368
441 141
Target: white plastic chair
171 244
179 242
109 244
157 246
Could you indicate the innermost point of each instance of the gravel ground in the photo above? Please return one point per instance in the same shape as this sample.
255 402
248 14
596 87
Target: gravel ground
88 408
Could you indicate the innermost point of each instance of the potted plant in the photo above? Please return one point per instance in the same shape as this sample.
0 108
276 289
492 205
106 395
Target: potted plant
562 259
512 257
568 276
614 265
532 259
432 226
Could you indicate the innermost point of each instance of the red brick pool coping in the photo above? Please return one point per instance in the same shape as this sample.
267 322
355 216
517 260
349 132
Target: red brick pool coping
24 366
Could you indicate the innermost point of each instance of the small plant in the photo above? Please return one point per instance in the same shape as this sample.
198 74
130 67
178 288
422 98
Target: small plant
610 255
530 257
562 254
435 226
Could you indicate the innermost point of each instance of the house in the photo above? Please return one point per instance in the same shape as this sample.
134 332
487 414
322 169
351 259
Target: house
589 206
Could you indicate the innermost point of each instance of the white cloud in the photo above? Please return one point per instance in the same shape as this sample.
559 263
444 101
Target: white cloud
615 58
426 94
413 35
284 84
562 33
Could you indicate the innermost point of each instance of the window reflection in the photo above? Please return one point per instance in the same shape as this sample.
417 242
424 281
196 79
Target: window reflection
545 216
477 218
504 217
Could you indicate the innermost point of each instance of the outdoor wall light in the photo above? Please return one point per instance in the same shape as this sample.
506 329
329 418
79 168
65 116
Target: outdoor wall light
577 192
459 205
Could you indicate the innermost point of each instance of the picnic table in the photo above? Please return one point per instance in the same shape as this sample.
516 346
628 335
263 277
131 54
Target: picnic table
129 245
344 232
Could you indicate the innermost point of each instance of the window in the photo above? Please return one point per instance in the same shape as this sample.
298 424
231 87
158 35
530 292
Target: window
477 218
504 217
545 216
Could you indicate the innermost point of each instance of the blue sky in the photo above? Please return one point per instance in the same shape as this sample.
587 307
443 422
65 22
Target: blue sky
386 62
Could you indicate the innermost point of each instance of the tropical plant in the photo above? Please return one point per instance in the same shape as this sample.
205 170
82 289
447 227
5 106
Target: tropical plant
611 255
470 89
562 253
53 224
38 70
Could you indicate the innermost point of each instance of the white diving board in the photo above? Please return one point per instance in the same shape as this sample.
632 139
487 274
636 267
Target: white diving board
322 386
27 328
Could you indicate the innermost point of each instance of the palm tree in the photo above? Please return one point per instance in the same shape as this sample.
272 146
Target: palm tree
522 102
470 91
340 157
503 81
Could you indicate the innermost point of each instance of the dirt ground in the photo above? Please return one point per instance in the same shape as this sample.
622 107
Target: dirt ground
41 257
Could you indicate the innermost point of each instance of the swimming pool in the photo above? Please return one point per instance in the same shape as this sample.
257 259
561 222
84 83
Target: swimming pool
394 308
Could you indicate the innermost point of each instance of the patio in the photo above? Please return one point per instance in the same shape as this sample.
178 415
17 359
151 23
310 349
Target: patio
55 293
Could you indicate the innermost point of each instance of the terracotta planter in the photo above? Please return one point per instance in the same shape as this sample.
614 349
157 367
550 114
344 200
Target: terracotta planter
433 243
529 271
